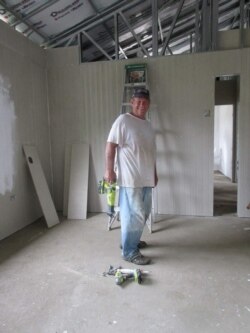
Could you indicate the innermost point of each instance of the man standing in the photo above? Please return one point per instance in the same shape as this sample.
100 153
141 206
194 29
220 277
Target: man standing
132 138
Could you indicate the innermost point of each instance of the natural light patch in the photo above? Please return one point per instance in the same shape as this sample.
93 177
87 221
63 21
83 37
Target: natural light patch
7 122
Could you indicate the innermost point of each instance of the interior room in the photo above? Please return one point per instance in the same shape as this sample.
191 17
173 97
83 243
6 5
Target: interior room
59 96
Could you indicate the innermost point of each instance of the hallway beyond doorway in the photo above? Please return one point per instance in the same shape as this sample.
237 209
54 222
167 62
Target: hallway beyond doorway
225 195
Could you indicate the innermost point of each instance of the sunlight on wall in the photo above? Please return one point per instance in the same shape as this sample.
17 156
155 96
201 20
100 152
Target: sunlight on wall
7 122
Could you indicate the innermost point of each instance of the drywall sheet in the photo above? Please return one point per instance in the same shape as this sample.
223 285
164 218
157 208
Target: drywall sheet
78 182
66 178
41 185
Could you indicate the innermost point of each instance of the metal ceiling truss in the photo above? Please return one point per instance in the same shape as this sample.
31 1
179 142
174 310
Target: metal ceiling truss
202 37
140 28
165 44
136 37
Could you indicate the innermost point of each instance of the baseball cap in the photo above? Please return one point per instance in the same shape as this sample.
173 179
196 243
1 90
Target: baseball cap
141 92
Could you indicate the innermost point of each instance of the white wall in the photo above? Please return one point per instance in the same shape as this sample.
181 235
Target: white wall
85 99
23 119
244 136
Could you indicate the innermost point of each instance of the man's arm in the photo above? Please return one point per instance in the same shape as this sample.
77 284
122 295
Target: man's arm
110 175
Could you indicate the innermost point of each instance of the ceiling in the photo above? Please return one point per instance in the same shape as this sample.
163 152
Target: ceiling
111 29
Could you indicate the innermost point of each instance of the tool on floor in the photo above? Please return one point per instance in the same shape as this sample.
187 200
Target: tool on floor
109 189
123 274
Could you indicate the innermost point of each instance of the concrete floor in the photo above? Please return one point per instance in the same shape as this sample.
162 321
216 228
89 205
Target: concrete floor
51 281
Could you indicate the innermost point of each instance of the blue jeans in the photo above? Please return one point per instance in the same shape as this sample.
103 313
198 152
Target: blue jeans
135 207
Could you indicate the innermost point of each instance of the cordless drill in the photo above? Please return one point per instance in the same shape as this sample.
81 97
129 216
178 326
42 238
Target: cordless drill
105 187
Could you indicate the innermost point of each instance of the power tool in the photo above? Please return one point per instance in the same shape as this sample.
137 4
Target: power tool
123 274
105 187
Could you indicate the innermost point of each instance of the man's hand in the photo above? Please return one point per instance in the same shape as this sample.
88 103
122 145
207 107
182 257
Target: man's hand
110 176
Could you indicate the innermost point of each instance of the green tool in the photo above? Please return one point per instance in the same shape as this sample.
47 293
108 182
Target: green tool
123 274
105 187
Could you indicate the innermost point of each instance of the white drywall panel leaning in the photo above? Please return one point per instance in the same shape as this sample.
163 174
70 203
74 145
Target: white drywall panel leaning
78 182
41 185
66 178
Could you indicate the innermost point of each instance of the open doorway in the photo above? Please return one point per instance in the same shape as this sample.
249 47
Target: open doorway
225 144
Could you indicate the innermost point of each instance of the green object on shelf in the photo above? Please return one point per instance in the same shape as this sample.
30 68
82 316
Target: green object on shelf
133 66
136 73
135 76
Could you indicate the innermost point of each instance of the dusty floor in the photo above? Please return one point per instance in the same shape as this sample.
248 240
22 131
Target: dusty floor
51 281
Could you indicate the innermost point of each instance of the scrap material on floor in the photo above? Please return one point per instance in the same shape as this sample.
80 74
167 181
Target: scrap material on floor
51 280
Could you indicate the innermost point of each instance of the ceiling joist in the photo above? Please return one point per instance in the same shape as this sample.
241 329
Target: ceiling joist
126 29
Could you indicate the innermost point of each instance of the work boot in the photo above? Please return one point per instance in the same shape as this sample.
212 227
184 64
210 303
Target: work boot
141 245
138 259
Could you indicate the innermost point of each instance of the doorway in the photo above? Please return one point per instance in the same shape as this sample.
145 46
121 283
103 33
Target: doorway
225 144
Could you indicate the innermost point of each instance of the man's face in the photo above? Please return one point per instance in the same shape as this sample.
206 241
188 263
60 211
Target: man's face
140 106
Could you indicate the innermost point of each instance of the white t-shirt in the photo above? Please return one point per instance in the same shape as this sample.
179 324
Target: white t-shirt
136 151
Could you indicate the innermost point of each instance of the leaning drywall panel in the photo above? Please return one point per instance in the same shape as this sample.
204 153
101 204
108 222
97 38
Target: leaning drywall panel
41 186
24 119
67 156
78 182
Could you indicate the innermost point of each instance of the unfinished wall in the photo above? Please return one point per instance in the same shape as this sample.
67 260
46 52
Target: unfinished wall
244 136
231 39
85 99
23 119
184 96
